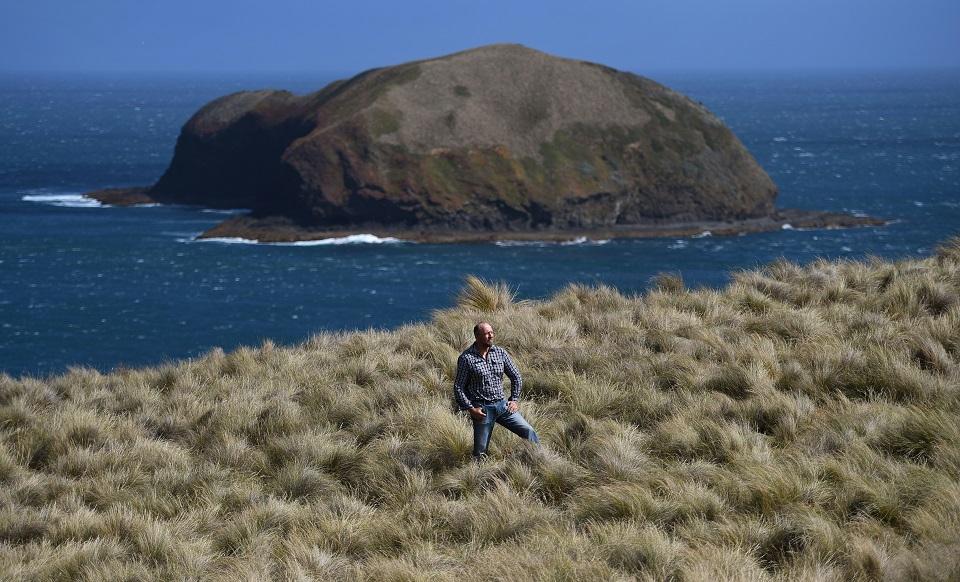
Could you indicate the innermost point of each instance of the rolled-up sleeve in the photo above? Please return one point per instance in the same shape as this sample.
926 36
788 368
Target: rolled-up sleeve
460 384
516 382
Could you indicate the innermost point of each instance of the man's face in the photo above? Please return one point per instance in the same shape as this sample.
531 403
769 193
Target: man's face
485 335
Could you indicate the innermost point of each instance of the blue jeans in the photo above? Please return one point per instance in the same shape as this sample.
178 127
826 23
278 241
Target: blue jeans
497 413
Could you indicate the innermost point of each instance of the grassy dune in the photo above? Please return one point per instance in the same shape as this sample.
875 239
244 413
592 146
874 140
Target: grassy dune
801 424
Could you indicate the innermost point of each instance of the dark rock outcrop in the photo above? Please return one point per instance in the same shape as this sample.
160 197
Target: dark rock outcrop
497 138
122 196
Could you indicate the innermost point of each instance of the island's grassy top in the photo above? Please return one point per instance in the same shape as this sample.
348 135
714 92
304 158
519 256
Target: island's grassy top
803 423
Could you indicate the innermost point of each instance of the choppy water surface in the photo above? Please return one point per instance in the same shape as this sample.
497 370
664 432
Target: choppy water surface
82 284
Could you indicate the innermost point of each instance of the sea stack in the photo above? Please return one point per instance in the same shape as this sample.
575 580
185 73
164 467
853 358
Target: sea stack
500 138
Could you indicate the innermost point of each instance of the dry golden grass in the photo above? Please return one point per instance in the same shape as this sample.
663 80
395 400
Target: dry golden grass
801 424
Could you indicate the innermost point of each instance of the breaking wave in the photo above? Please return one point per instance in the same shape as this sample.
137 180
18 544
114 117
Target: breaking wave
352 239
63 200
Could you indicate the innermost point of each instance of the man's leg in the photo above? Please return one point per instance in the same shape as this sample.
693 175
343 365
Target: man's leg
517 424
482 430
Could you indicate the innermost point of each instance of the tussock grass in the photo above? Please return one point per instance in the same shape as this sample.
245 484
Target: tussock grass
801 424
482 296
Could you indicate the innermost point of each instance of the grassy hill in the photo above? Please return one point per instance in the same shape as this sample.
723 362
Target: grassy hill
801 424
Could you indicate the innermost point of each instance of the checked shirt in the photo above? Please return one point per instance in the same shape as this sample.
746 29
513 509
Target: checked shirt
480 381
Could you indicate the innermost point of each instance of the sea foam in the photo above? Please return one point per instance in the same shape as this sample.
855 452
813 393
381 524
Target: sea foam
64 200
343 240
352 239
579 241
231 240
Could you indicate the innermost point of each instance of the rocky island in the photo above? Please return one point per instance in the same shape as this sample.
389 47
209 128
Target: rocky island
498 142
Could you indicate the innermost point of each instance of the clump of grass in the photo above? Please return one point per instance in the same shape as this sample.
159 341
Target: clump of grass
711 561
642 550
800 424
556 477
479 295
438 438
668 282
914 435
618 501
732 380
499 515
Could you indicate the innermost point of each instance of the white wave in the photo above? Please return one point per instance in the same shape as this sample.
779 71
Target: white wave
703 234
230 240
521 243
352 239
780 139
226 210
63 200
343 240
580 240
789 226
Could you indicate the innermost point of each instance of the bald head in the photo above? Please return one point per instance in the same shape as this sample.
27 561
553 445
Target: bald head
483 333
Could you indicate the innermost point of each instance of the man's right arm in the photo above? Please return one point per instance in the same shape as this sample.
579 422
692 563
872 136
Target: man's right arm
460 384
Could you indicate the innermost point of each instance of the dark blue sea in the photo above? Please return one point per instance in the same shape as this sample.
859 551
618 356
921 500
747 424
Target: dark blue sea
82 285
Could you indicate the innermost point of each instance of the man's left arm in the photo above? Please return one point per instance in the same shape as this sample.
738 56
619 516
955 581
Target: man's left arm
516 382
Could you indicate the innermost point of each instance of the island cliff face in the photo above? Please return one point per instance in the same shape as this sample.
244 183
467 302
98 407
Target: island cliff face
499 138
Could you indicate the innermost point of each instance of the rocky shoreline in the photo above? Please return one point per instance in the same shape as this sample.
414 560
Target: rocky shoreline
276 229
279 229
135 196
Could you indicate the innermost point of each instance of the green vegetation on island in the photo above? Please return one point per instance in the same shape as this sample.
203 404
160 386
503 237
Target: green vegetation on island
801 424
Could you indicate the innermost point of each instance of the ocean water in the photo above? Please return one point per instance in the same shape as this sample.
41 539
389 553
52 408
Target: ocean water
85 285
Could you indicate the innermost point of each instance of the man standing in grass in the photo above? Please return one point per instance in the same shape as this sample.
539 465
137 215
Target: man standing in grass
478 388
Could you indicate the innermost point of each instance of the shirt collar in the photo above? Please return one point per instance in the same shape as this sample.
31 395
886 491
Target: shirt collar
473 350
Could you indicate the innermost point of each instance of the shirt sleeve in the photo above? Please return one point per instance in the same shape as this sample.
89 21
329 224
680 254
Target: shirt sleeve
516 382
460 384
